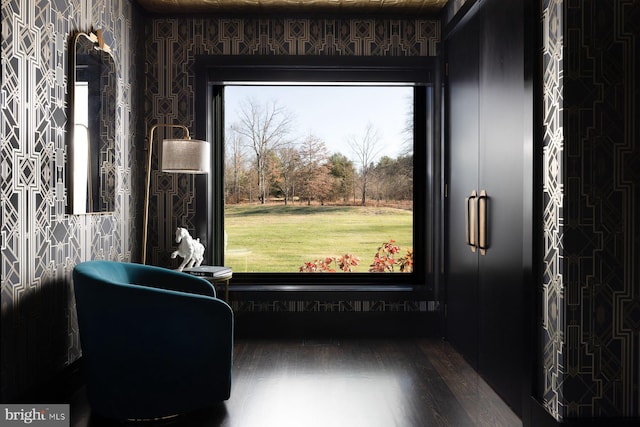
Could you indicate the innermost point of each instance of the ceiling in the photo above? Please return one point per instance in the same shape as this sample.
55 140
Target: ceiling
326 6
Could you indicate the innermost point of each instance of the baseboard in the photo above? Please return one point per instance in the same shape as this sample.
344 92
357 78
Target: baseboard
337 324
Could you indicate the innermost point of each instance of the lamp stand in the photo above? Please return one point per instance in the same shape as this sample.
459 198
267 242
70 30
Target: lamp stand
145 221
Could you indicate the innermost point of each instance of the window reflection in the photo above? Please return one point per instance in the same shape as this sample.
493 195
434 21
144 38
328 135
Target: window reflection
81 149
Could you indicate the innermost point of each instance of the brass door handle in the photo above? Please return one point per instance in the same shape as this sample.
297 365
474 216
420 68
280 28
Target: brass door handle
483 223
471 221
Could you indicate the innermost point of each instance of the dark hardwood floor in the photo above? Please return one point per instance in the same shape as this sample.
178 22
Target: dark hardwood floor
346 382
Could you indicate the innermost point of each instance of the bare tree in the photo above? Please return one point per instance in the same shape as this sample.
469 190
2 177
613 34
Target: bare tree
234 164
265 128
289 159
365 149
407 130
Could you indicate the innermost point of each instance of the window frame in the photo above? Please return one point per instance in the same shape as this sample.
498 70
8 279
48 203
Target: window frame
212 73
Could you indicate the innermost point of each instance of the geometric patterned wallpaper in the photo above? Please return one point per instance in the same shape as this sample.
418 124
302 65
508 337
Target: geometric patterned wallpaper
41 242
172 45
591 280
553 354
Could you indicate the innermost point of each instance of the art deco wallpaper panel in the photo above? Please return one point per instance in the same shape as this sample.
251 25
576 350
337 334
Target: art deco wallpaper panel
41 243
602 185
553 191
590 348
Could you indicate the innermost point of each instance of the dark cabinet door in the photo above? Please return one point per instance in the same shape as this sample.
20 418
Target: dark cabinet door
485 153
501 287
462 279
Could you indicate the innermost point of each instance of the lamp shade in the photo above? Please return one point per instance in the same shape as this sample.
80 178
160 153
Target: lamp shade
185 156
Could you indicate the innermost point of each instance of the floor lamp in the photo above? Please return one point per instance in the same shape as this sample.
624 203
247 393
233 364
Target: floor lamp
186 155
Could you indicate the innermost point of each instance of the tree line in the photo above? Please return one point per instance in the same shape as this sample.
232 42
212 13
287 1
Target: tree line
264 162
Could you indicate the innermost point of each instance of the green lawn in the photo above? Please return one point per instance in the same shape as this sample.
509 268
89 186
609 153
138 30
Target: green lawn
278 238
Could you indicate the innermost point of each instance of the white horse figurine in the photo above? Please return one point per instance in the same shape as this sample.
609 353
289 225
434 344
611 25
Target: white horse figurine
189 248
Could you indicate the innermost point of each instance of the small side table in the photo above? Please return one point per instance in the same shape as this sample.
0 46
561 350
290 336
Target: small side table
214 274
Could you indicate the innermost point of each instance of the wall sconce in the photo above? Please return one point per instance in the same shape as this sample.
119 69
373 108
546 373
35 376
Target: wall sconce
189 156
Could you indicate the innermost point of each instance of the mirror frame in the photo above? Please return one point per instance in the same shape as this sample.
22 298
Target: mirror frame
88 207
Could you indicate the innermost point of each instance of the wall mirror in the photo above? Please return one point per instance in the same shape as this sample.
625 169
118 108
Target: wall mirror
93 93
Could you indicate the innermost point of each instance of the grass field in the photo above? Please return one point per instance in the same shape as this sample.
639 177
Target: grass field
278 238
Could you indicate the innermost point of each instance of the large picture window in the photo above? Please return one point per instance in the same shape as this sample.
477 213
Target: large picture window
320 178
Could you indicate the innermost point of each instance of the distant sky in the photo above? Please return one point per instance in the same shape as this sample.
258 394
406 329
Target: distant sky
334 113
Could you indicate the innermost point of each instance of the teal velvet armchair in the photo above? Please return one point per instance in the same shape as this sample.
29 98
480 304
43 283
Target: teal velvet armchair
155 342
